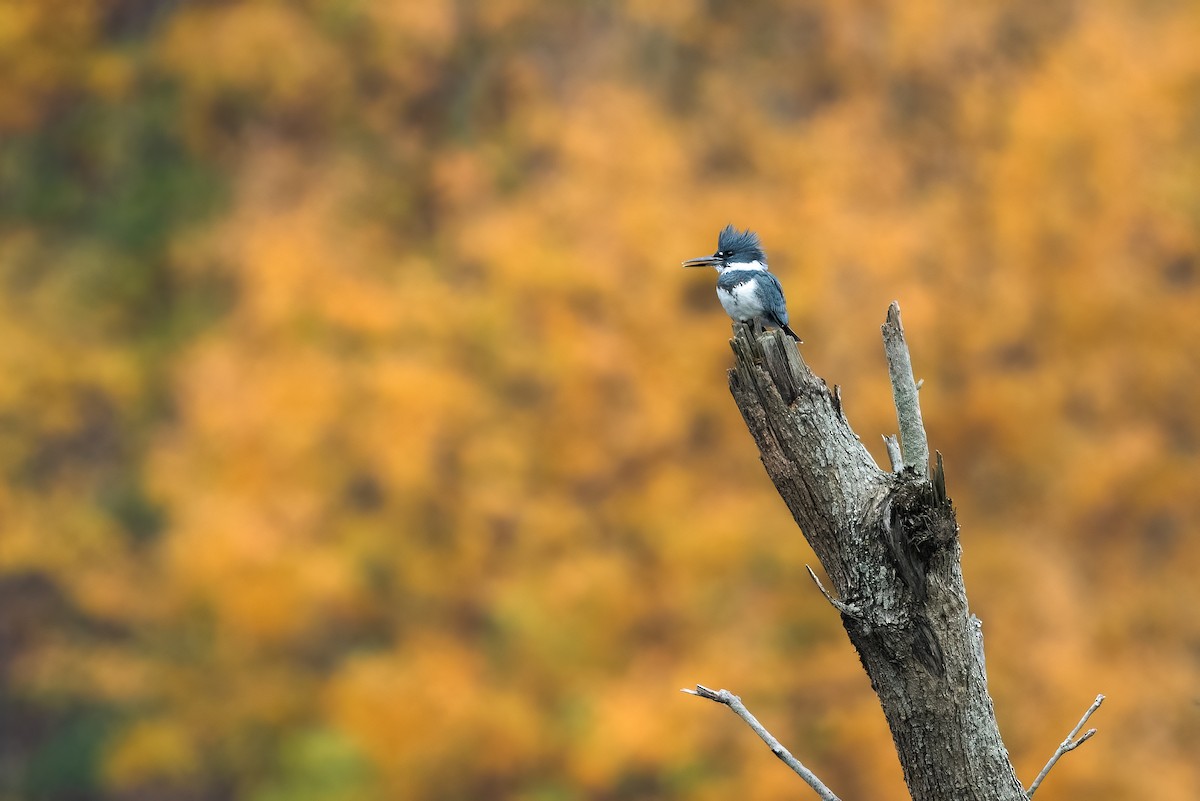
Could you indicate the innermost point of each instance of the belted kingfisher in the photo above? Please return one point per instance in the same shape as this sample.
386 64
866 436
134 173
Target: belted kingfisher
746 289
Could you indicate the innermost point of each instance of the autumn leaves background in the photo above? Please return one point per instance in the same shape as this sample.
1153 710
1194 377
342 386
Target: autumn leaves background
362 439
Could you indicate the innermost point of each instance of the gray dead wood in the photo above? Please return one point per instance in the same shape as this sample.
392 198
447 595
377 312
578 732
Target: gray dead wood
913 444
889 543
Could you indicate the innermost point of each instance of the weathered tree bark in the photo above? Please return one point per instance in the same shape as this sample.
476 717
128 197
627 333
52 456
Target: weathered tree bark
889 544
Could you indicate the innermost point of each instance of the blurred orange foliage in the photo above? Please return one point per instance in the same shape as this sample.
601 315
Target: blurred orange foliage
363 440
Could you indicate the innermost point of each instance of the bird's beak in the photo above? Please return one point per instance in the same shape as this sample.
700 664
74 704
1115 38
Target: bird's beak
702 261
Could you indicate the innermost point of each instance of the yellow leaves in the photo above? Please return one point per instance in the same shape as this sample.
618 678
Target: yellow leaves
636 725
496 16
431 402
401 43
499 461
61 374
268 51
418 25
260 567
461 181
45 50
152 751
422 712
241 402
669 14
1066 149
456 471
295 256
52 534
111 76
610 114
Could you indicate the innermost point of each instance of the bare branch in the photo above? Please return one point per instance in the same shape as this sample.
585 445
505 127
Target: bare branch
1069 744
892 443
733 702
841 606
913 443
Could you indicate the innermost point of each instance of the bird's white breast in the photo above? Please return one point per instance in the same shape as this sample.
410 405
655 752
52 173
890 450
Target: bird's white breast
740 303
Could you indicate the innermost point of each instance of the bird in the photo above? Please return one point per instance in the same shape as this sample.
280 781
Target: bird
748 291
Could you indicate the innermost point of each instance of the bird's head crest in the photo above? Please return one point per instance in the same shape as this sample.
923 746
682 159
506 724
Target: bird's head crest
740 246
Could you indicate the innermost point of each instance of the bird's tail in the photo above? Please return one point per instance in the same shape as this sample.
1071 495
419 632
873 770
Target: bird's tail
791 333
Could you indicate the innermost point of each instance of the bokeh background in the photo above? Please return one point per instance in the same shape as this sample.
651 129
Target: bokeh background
361 438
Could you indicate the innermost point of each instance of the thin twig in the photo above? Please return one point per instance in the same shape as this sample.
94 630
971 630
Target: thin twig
1069 744
904 392
733 702
841 606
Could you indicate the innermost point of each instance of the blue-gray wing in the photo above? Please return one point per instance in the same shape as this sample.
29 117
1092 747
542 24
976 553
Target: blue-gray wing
770 293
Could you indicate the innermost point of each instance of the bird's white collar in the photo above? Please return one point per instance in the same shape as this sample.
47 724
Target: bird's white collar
744 265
